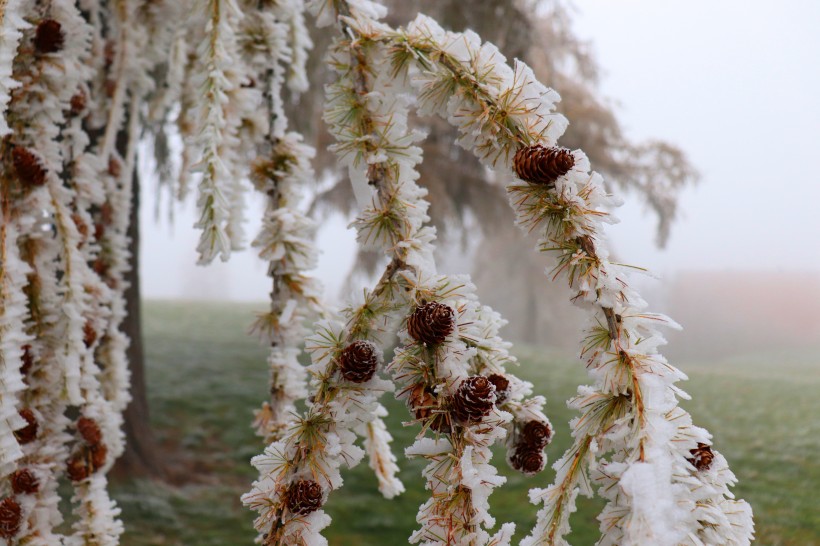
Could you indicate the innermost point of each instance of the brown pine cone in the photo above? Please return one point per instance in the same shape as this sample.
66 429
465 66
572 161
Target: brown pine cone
358 361
502 386
11 516
702 456
96 455
89 334
49 37
78 102
24 482
27 360
77 468
431 323
541 165
114 167
528 461
29 432
473 399
89 430
423 403
535 435
304 497
30 170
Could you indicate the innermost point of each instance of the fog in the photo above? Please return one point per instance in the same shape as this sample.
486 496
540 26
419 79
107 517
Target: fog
736 85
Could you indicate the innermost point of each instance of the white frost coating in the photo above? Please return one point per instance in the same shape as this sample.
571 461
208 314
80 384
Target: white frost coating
218 129
11 25
12 340
98 524
285 241
382 460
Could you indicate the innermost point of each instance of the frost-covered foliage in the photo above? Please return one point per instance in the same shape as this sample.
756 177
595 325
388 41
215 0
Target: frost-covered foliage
663 482
78 84
367 112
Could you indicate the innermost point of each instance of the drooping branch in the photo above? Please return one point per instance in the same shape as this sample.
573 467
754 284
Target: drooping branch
501 112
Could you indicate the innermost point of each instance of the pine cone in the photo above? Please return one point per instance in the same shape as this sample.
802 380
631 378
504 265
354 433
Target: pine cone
11 516
89 430
24 482
89 334
304 497
49 37
473 399
29 432
77 468
97 454
358 361
431 323
535 435
30 170
541 165
78 102
528 461
27 360
423 403
114 167
702 457
502 386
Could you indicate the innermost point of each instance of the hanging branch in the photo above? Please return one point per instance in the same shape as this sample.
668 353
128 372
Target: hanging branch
285 239
656 490
217 192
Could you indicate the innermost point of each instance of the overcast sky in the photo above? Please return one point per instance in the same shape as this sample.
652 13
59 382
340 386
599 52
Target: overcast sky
736 84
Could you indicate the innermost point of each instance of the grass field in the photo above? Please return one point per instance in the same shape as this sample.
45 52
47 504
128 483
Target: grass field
206 376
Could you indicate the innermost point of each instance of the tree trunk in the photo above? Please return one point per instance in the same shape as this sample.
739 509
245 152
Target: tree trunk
141 457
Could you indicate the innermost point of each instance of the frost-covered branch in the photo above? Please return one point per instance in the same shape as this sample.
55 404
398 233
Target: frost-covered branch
656 495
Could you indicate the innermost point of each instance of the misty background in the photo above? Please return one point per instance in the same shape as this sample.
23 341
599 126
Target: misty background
735 85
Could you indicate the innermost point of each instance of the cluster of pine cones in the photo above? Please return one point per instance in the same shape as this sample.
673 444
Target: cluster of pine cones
527 455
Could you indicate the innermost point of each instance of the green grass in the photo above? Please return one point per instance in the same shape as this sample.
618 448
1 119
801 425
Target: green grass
206 376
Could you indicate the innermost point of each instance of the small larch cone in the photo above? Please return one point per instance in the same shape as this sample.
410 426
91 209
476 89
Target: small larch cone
473 399
502 387
78 102
535 435
49 37
358 361
11 516
541 165
89 334
28 433
304 497
89 430
423 404
97 455
29 168
86 461
77 468
114 167
702 456
24 482
528 461
431 323
27 360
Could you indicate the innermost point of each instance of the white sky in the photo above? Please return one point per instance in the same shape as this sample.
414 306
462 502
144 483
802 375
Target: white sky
735 83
